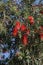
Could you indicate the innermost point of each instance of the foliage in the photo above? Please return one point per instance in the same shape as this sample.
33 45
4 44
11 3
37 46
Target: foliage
24 24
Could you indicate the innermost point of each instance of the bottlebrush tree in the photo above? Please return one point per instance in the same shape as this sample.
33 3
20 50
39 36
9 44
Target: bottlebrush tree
27 30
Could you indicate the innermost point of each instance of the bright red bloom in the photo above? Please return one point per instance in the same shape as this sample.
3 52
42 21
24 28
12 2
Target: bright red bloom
25 39
32 22
17 25
31 19
23 27
15 32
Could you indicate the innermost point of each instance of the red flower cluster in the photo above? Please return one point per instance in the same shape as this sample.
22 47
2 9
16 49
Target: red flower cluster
22 28
17 27
25 39
15 32
31 19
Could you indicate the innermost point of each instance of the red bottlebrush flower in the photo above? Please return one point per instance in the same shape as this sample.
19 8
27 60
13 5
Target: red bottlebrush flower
32 22
31 19
18 25
15 32
41 36
23 27
28 32
25 39
41 12
41 28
